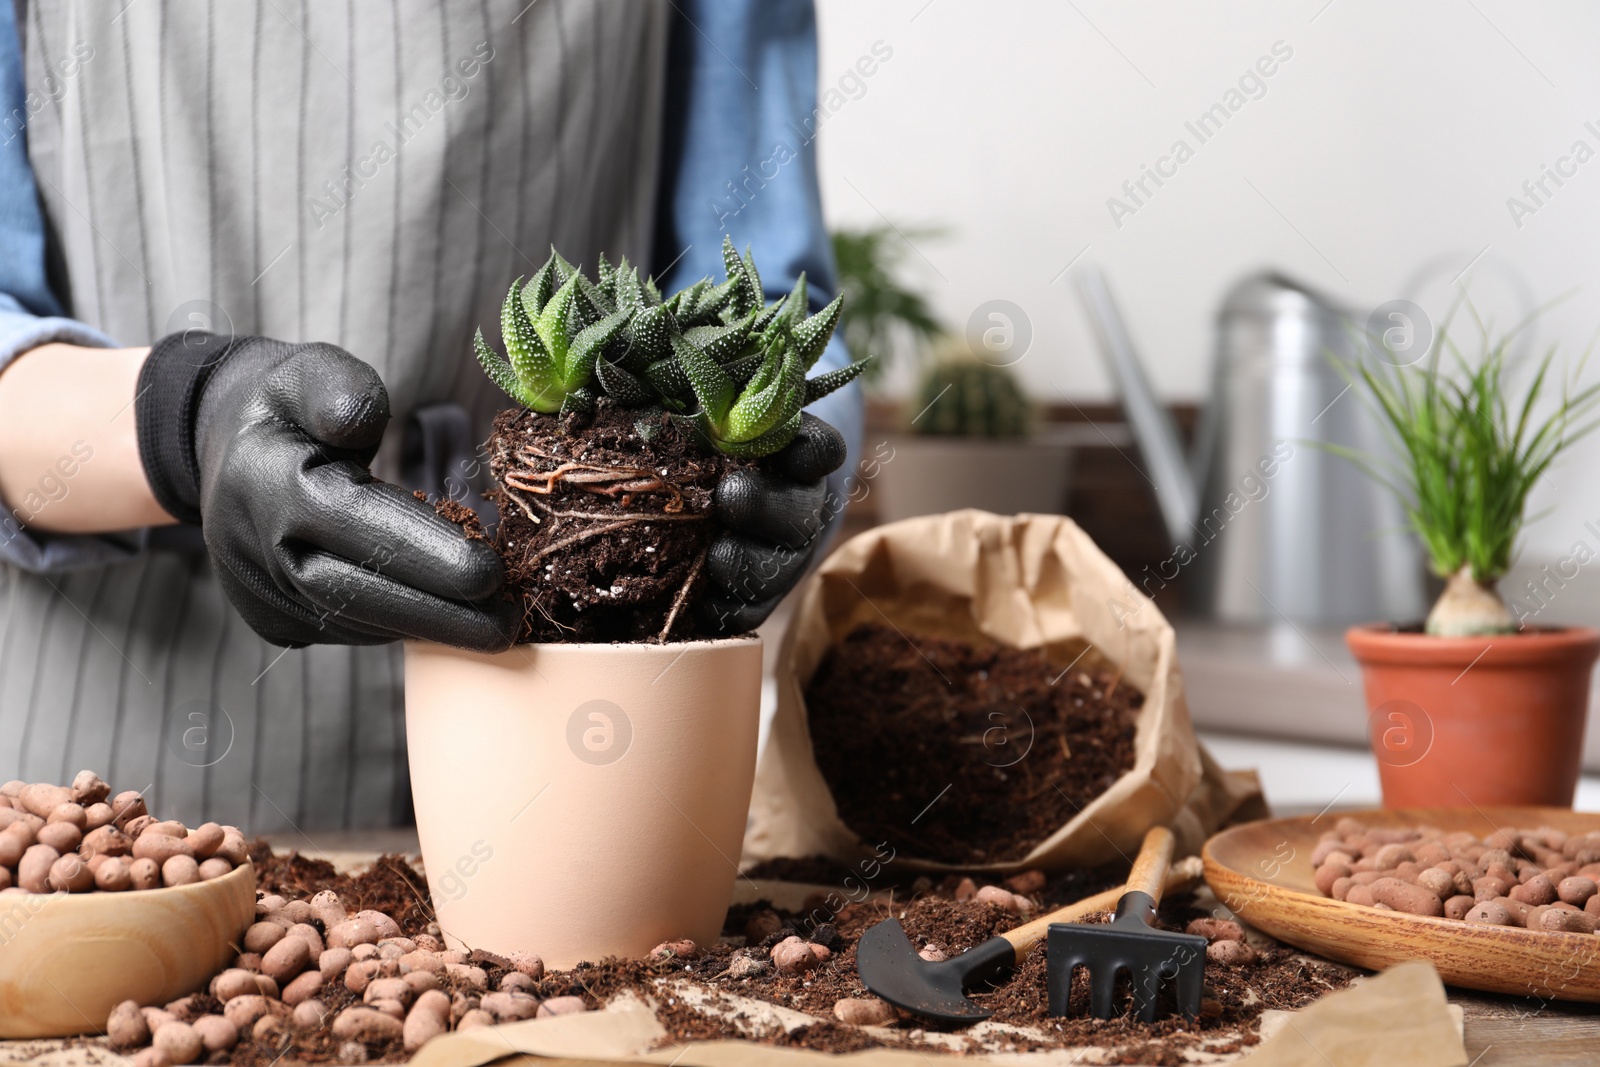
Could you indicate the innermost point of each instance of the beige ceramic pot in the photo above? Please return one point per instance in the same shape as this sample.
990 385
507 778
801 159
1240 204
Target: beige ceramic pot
582 801
930 475
66 961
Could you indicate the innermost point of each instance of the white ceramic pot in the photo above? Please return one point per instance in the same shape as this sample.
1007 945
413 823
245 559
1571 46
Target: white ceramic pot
582 800
930 475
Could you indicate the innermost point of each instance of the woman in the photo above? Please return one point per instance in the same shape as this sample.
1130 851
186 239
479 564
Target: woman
243 248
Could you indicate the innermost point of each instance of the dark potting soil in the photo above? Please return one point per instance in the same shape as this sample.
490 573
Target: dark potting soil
960 752
603 534
1235 997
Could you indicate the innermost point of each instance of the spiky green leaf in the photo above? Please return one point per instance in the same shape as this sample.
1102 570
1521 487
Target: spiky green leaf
540 287
620 385
590 342
711 384
554 325
771 441
579 401
721 343
758 410
811 336
666 377
524 349
497 369
823 384
747 294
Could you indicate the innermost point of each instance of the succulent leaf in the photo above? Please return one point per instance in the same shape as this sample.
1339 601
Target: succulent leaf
620 385
628 292
666 377
652 295
747 294
554 325
564 270
823 384
757 411
579 401
650 336
743 369
540 287
768 443
721 343
497 369
524 351
711 384
590 342
811 336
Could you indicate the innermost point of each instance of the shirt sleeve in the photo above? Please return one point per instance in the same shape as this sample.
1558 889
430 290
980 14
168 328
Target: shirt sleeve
739 159
30 314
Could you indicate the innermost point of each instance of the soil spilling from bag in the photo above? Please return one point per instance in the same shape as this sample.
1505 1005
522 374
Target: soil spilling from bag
603 534
960 752
700 998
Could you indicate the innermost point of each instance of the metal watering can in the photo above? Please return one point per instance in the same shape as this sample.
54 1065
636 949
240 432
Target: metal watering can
1269 527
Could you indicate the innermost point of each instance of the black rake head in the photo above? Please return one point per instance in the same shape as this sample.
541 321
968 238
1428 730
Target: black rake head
1126 944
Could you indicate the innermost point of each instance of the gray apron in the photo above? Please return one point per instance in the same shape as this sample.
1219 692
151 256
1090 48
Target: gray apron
369 174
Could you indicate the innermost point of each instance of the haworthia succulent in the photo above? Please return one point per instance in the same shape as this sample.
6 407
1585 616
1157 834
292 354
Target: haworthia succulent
716 357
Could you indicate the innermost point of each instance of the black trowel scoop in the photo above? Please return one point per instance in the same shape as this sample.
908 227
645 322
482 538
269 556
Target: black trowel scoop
891 968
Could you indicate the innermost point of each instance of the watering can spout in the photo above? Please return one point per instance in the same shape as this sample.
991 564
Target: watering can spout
1177 484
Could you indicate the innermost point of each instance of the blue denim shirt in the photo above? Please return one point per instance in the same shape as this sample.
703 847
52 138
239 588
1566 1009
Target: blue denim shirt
741 92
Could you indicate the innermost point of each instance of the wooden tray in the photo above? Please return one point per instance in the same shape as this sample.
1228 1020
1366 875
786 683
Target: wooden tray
1262 872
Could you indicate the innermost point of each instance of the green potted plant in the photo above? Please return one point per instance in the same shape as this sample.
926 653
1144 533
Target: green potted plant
1474 706
969 443
614 739
881 315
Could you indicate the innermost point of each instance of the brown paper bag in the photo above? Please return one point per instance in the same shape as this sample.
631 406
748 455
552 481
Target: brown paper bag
1029 581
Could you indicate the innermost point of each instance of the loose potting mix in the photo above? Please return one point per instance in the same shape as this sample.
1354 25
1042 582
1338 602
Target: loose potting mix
633 407
1016 745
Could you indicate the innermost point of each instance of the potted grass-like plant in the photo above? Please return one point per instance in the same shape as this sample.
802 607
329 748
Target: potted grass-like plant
580 795
1475 705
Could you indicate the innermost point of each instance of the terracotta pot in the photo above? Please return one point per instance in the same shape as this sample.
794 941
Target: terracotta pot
1480 720
582 801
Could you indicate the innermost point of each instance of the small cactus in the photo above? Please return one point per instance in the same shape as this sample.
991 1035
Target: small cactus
964 397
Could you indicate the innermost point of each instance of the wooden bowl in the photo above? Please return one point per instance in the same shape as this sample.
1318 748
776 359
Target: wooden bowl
66 961
1262 872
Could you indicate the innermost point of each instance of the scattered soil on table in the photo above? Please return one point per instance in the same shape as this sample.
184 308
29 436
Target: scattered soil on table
603 534
391 885
922 739
693 998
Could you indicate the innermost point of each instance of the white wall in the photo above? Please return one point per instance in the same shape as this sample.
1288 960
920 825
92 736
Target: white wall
1385 146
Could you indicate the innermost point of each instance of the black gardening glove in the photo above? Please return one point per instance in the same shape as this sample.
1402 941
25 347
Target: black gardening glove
772 520
266 446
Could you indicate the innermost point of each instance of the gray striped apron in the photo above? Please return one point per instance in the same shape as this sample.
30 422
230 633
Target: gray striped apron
370 174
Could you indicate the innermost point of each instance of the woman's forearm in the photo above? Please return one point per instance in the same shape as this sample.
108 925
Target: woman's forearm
69 454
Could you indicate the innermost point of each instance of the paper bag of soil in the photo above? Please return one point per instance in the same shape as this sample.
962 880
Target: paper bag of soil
1030 582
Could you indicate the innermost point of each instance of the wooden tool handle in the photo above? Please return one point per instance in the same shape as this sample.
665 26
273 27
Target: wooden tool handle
1149 874
1181 876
